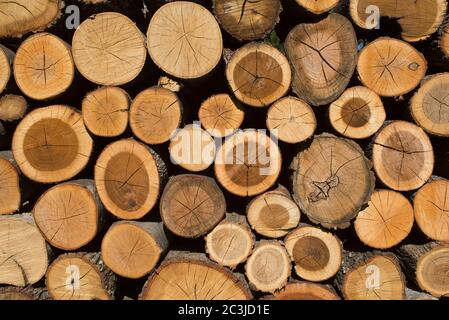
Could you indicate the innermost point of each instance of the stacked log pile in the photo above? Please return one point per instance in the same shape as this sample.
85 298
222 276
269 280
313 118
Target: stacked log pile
224 149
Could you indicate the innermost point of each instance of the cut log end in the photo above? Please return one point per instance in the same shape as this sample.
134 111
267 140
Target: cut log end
9 184
426 105
51 144
317 254
332 180
220 116
115 55
12 107
68 214
192 205
248 163
323 68
201 278
386 221
43 66
155 114
132 249
382 71
192 148
231 241
358 113
128 177
273 214
306 291
432 271
318 6
403 156
268 267
258 74
184 45
105 111
246 20
291 120
5 68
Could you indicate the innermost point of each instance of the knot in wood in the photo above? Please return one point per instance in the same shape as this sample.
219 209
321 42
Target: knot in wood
323 188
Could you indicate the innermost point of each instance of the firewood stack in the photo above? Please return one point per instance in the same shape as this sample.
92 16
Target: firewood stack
224 149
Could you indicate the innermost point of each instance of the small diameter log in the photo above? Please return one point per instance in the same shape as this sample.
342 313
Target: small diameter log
273 214
43 66
23 251
20 293
332 180
418 18
268 267
9 184
431 211
318 6
128 177
258 74
247 20
132 249
69 215
184 40
80 276
291 120
403 156
371 276
428 266
386 221
12 107
428 105
170 84
192 148
317 254
391 67
191 276
220 116
109 49
6 60
248 163
358 113
105 111
231 241
302 290
322 68
192 205
155 114
22 16
51 144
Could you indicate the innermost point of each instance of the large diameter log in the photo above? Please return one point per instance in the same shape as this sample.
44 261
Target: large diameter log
318 6
129 176
358 113
269 267
428 105
386 221
9 184
43 66
418 18
51 144
431 210
403 156
332 180
132 249
317 254
22 16
23 251
322 68
69 215
155 114
109 49
105 111
12 107
391 67
371 276
192 205
258 74
184 40
231 241
248 163
191 276
80 276
247 20
302 290
6 60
